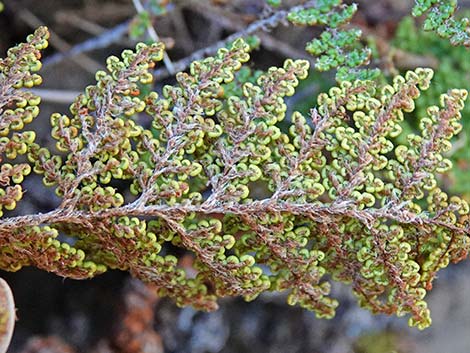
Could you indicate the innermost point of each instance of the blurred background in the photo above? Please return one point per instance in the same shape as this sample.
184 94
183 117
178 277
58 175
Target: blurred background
115 313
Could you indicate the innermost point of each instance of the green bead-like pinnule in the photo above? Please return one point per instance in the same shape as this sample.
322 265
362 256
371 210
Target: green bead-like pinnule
441 18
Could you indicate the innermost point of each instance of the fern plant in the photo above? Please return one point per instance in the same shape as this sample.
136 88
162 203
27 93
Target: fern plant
341 201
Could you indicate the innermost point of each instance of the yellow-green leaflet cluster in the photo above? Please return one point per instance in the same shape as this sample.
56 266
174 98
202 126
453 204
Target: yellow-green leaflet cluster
209 191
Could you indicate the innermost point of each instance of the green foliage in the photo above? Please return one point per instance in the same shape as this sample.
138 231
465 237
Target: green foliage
143 19
440 19
139 25
336 47
453 71
274 3
338 198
